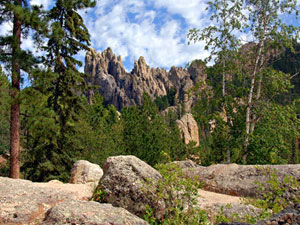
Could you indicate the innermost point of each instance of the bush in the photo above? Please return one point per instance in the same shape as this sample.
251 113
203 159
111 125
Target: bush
179 194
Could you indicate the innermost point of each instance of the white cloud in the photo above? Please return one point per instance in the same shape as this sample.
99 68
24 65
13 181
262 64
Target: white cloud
5 28
193 11
46 3
163 44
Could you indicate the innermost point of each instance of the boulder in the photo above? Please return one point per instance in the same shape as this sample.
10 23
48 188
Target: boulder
189 129
90 213
186 164
239 180
85 172
125 184
25 202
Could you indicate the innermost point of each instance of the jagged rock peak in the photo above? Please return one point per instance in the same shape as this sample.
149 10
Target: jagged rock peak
141 67
121 89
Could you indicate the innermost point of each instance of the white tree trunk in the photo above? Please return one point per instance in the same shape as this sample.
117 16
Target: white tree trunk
250 100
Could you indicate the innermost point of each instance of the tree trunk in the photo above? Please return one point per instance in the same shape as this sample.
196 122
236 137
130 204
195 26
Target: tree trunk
15 105
250 101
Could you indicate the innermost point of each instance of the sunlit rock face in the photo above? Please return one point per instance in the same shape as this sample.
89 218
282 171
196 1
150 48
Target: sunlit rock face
108 77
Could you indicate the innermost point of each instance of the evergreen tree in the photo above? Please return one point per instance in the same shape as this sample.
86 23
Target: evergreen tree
67 36
4 113
148 136
24 19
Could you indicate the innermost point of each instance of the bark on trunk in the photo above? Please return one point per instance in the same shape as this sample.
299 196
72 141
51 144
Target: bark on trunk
15 105
250 101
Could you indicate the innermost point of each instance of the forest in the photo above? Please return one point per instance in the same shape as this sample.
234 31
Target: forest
251 94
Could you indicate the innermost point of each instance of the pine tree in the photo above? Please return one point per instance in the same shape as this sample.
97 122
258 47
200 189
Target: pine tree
23 18
67 36
4 113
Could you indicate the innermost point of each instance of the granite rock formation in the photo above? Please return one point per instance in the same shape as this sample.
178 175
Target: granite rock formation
55 203
240 180
108 76
25 202
125 185
90 213
85 172
189 129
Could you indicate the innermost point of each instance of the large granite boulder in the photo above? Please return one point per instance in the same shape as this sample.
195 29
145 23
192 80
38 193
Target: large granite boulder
85 172
25 202
189 129
90 213
125 184
54 203
239 180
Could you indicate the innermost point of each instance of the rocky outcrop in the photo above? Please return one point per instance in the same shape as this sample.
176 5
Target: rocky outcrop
54 203
90 213
239 180
125 185
121 88
25 202
85 172
189 128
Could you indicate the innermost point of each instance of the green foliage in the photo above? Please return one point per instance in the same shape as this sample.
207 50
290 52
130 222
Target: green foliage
179 194
98 195
278 194
220 217
164 102
103 135
275 195
147 135
33 20
55 140
271 143
4 113
242 84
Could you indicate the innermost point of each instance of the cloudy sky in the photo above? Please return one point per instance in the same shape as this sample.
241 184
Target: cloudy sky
155 29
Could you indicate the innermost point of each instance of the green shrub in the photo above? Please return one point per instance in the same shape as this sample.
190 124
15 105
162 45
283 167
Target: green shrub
179 194
276 194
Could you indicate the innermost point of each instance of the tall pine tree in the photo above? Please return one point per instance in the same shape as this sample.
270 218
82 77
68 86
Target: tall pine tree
24 18
67 36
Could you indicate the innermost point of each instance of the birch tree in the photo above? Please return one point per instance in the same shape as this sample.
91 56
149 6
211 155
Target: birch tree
269 34
222 42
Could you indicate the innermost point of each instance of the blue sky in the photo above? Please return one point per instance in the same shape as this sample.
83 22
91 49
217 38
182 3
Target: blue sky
155 29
